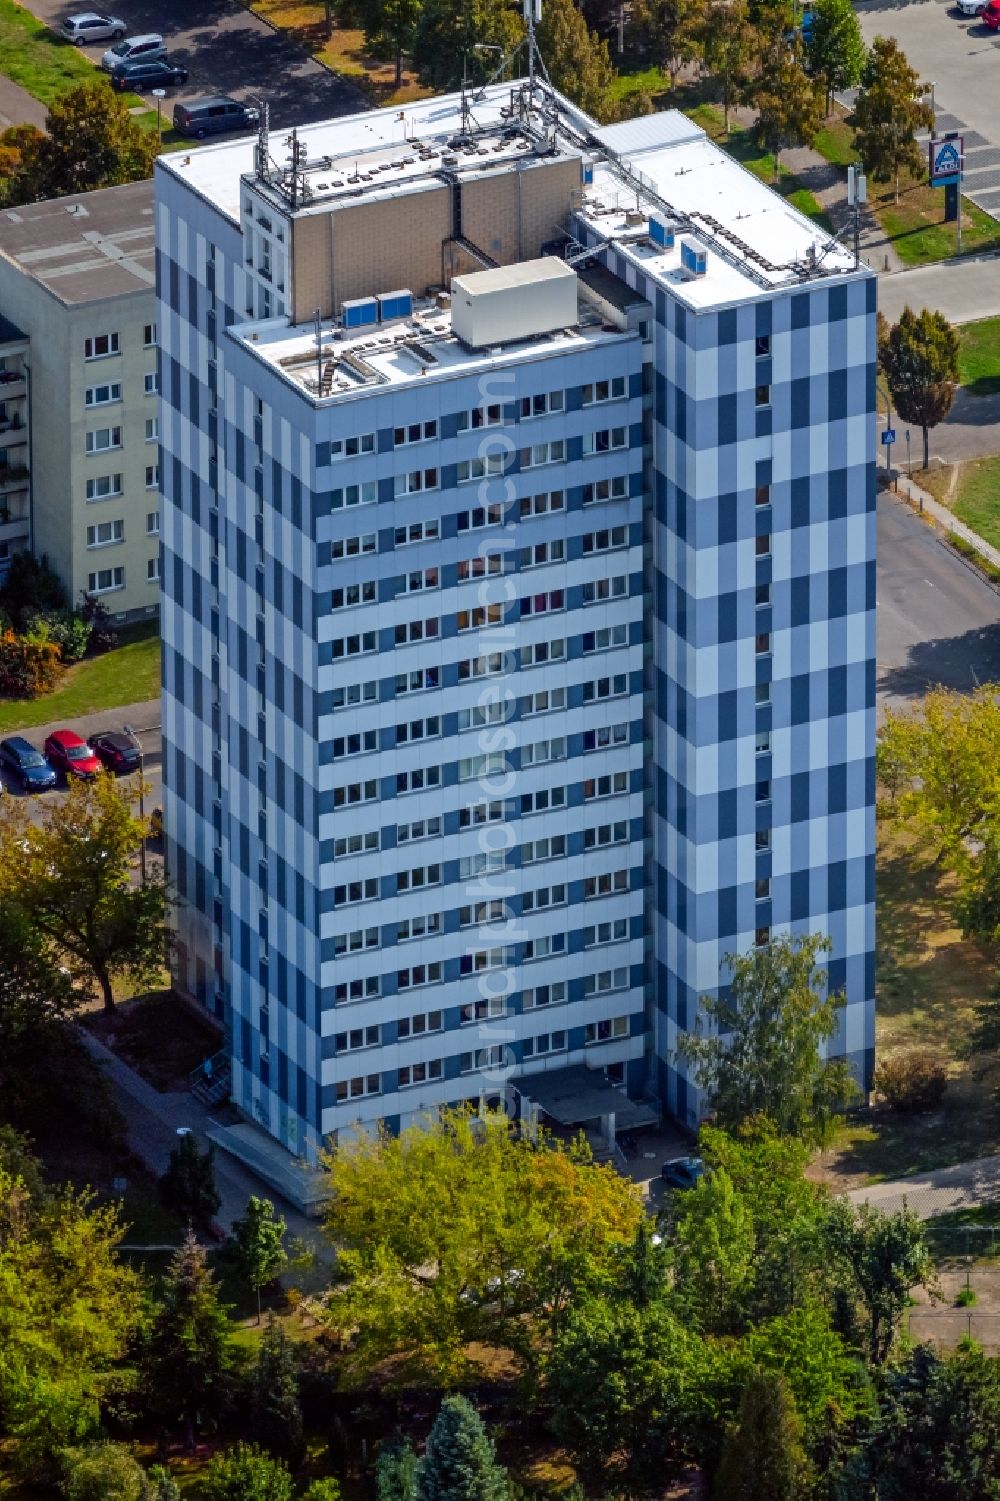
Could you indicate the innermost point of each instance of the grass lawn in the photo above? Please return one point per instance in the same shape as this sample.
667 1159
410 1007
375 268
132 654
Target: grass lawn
128 675
740 145
979 357
344 51
915 225
974 497
640 78
836 142
39 60
928 983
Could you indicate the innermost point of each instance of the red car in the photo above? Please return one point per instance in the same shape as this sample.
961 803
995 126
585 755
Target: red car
990 15
71 755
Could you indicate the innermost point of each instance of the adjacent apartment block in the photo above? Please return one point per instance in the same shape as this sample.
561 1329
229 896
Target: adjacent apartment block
518 605
79 422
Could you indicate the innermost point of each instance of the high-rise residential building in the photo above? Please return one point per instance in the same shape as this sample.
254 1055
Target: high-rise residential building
519 589
79 409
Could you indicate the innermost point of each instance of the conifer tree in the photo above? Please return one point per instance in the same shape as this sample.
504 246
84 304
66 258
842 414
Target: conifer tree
188 1354
460 1462
275 1405
762 1457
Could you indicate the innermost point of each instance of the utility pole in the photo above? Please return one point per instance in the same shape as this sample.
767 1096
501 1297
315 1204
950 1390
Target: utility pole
857 194
130 732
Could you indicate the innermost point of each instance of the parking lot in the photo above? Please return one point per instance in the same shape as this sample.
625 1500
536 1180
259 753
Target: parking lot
144 719
227 50
962 59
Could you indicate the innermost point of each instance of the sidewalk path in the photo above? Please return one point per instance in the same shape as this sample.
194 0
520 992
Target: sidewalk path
143 717
941 514
964 1186
18 107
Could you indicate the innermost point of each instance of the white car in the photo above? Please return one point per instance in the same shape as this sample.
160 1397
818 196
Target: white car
92 26
970 7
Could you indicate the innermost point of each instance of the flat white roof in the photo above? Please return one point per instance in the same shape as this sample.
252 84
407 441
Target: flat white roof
755 240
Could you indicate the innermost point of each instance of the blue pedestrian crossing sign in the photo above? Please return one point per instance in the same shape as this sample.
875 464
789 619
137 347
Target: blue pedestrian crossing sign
888 437
946 161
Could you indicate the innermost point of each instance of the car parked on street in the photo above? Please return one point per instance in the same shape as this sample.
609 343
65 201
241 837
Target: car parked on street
22 763
134 49
69 753
158 73
969 7
990 15
116 751
205 117
682 1172
92 26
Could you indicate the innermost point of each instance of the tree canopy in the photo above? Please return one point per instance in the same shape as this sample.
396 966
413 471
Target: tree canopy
578 61
835 49
459 1463
764 1052
71 879
789 107
458 1229
919 359
90 141
888 113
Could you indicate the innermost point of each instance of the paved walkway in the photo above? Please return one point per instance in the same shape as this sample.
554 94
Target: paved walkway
144 718
945 519
18 107
963 290
964 1186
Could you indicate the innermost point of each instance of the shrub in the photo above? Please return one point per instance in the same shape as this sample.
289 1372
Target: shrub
104 1472
911 1081
95 615
31 586
28 666
66 628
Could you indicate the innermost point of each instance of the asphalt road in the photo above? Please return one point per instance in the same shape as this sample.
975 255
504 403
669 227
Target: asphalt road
938 621
144 719
227 50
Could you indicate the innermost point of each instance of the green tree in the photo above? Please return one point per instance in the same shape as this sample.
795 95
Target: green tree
835 49
887 1256
71 878
258 1245
824 1377
459 1463
68 1308
389 27
105 1472
165 1488
763 1458
714 1253
632 1392
90 141
920 364
188 1185
459 1230
937 1434
37 999
275 1406
729 46
764 1055
789 110
673 31
188 1354
246 1473
578 62
396 1472
888 112
453 38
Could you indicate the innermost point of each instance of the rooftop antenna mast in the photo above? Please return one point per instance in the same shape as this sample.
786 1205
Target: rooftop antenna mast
262 153
318 334
532 16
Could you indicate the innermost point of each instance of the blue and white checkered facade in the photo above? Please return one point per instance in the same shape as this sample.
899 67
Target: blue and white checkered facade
682 628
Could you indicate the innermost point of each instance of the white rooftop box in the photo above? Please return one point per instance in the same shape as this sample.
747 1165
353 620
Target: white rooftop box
513 302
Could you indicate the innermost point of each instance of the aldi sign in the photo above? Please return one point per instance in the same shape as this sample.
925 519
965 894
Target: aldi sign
946 158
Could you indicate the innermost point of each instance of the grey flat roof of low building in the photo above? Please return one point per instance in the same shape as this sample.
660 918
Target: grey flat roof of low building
87 247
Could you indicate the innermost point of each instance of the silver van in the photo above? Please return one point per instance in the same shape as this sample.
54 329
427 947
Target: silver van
209 117
134 49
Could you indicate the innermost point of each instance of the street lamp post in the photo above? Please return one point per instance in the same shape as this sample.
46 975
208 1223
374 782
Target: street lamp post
909 466
130 732
159 95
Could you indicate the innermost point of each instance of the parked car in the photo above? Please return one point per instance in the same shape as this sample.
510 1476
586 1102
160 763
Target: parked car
205 117
92 26
969 7
134 49
682 1172
990 15
23 763
116 751
69 753
158 73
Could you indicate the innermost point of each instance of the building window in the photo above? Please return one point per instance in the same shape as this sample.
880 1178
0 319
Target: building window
150 383
762 888
416 531
762 595
606 932
348 694
610 883
356 844
607 540
605 441
605 736
543 702
355 792
100 439
152 476
762 937
762 346
416 432
152 523
418 780
357 743
762 643
423 926
366 989
762 495
102 396
101 346
352 892
152 429
419 974
542 505
153 569
105 533
358 1037
762 791
606 489
762 545
544 453
149 336
350 448
488 416
762 742
106 581
356 942
545 1042
353 547
354 594
607 1031
416 481
420 1073
762 396
103 486
543 800
355 645
540 406
356 1089
540 604
610 785
364 494
762 693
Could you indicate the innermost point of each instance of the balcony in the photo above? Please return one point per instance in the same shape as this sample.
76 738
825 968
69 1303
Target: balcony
13 477
13 430
14 523
12 383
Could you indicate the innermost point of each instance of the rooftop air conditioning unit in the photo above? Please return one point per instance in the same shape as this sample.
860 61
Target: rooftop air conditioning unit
359 312
693 258
661 232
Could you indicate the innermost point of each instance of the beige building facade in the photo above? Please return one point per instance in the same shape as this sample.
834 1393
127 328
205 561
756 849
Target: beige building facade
77 283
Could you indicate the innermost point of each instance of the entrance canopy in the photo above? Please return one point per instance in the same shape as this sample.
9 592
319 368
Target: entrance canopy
574 1095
